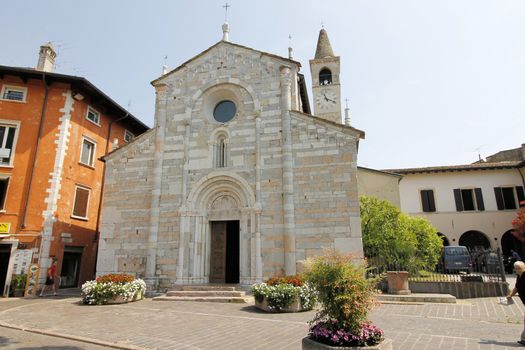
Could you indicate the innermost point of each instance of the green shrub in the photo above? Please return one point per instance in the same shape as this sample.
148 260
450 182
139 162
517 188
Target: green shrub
344 293
392 239
18 282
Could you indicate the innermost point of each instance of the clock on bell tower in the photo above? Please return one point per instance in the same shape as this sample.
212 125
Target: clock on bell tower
325 68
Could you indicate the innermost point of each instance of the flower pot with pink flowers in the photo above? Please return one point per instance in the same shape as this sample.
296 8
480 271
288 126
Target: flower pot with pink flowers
345 297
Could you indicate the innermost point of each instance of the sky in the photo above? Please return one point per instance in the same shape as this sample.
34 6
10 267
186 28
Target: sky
429 82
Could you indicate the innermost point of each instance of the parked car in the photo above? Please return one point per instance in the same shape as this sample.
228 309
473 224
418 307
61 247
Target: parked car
490 263
455 259
485 261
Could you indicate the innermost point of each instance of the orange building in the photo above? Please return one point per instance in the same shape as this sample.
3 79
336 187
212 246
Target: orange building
53 130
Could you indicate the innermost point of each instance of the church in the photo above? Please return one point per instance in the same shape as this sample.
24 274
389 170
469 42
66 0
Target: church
238 180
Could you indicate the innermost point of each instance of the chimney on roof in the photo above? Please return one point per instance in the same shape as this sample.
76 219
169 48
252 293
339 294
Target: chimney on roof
46 58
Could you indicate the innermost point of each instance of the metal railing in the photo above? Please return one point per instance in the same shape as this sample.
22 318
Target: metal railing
484 266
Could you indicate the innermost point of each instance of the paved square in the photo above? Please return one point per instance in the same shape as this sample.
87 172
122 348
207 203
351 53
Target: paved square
147 324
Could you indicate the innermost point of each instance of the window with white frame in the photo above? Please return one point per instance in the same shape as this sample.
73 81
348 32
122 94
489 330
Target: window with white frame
8 138
93 116
14 93
4 181
128 136
81 202
87 154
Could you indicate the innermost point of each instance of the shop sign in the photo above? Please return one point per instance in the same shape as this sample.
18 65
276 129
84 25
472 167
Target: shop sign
4 227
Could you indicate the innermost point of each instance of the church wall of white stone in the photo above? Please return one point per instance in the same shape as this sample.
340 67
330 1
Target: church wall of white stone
155 223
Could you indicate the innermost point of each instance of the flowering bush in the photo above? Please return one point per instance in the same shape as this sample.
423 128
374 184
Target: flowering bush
296 280
280 292
345 296
115 278
108 287
518 224
330 332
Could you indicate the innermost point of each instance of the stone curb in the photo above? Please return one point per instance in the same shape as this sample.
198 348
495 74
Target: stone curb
418 298
73 337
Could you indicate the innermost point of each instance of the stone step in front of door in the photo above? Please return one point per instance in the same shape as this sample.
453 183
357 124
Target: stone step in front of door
241 300
204 287
205 293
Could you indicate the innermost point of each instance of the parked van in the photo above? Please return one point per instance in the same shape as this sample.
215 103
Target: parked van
455 259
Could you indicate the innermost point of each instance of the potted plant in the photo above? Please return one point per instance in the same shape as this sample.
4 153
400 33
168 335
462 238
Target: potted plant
345 297
113 289
18 285
284 294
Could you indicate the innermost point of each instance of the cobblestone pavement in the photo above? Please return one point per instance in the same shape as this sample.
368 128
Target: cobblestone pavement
469 324
11 339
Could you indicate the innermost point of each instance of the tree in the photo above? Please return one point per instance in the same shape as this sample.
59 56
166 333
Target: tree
392 237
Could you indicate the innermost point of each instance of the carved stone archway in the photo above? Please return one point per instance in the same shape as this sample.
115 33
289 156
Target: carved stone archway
219 196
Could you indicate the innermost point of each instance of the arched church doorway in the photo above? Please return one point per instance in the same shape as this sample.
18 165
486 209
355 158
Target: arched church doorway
474 240
508 242
224 251
444 238
220 231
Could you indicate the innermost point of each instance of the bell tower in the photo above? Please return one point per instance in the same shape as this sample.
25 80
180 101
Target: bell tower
325 68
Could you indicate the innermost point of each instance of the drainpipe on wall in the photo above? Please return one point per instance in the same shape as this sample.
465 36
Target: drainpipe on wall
99 210
521 174
35 159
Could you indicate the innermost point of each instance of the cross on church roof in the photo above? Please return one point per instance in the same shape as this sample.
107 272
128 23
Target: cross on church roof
225 6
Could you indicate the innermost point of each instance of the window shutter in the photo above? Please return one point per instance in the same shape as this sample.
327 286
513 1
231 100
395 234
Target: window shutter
3 192
479 199
81 202
521 194
457 197
499 198
424 200
431 203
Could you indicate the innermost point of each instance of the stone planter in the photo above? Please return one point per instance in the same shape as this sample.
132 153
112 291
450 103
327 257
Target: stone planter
295 306
118 299
309 344
138 296
398 282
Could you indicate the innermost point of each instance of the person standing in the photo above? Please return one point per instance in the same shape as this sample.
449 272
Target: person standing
51 277
519 288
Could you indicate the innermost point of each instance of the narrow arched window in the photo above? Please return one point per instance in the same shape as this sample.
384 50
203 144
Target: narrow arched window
325 77
220 152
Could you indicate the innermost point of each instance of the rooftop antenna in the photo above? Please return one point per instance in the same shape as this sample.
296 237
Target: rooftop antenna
478 149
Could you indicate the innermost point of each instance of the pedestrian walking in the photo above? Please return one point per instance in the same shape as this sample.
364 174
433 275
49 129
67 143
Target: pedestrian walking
51 277
519 288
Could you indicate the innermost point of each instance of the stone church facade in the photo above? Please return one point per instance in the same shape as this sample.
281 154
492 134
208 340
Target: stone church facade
237 181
